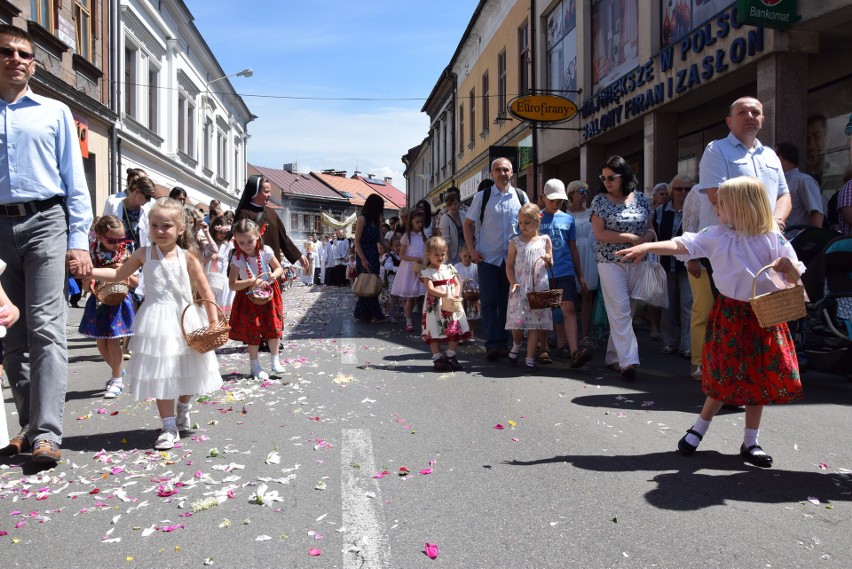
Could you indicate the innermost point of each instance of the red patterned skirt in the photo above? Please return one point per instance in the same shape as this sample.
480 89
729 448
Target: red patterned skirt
745 364
251 323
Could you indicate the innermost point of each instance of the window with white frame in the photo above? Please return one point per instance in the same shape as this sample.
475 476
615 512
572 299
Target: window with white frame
222 158
131 66
186 124
153 98
206 149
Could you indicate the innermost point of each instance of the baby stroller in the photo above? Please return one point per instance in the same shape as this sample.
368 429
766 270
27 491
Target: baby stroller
827 335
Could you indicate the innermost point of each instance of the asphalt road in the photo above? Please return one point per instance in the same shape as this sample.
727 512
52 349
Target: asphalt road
366 455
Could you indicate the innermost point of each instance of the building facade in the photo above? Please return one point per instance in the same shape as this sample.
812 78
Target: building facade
653 81
71 42
179 117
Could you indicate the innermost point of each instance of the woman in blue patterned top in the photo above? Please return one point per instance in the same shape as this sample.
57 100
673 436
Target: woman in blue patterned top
621 218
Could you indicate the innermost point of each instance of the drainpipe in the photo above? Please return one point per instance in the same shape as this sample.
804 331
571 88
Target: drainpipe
533 50
115 93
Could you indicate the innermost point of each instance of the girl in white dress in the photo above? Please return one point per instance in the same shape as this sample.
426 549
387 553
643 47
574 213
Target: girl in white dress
218 262
469 276
164 367
585 240
529 256
442 323
407 283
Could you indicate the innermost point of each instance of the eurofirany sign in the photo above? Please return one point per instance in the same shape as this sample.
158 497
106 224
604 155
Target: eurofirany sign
670 74
780 14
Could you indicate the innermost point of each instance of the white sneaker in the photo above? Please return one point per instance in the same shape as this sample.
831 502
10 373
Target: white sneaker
113 390
276 365
166 440
182 417
258 373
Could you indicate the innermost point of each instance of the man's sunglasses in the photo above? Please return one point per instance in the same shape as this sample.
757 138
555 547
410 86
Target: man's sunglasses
11 51
609 178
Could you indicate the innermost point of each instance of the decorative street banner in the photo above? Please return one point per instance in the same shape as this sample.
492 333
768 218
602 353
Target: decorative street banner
542 108
778 14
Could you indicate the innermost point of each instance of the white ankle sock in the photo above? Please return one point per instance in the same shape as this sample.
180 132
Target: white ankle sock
436 357
750 437
700 426
530 361
169 424
516 348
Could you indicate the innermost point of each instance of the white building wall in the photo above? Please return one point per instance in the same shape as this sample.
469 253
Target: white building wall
160 37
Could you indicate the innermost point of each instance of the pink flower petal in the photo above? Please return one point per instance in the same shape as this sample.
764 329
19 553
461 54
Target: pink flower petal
314 552
499 427
431 550
426 471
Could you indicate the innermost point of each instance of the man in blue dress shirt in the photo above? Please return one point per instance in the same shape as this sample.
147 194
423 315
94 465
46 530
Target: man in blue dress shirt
45 215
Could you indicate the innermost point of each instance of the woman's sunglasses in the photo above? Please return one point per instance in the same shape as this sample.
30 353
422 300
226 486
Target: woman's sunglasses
581 192
609 178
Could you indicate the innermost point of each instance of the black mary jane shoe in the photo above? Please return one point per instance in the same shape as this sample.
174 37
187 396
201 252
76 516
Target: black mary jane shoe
763 460
686 448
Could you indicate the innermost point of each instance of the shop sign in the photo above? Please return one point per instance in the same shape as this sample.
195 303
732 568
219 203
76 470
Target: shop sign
778 14
82 134
666 76
542 108
469 186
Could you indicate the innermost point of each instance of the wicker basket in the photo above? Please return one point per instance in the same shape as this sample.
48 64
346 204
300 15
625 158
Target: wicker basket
774 308
257 299
551 298
471 295
208 337
111 294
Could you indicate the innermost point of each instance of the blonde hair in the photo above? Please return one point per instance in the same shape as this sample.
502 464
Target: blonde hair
174 209
434 244
746 205
530 211
574 186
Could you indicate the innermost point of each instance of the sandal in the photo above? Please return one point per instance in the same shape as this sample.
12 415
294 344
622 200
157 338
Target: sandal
544 358
513 355
581 357
564 353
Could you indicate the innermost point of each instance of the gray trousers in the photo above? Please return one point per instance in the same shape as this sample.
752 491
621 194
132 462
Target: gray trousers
36 357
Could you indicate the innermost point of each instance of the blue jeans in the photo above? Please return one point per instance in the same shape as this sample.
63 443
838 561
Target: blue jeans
493 302
36 357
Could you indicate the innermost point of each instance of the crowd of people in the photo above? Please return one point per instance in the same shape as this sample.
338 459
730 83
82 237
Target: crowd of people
146 262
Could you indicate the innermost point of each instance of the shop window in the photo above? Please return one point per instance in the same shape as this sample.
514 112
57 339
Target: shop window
562 50
615 40
826 154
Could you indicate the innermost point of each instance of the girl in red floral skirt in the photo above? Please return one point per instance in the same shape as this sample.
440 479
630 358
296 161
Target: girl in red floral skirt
254 274
744 364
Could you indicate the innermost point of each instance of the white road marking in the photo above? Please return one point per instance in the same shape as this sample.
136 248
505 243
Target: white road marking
363 519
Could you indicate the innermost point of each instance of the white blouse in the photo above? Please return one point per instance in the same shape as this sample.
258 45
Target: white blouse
736 258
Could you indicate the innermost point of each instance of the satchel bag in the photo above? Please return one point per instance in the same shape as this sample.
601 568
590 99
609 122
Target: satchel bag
367 285
651 286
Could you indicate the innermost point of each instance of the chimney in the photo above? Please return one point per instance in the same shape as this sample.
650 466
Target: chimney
292 167
389 180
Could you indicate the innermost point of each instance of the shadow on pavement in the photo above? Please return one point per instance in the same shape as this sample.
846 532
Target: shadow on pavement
685 489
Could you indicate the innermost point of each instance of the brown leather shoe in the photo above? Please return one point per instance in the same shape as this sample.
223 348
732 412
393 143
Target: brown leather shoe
20 443
46 451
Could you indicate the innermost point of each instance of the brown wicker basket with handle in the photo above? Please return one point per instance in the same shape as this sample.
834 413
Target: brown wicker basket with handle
783 305
538 300
111 294
260 295
208 337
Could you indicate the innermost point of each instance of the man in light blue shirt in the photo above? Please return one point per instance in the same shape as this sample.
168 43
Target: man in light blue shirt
45 216
487 232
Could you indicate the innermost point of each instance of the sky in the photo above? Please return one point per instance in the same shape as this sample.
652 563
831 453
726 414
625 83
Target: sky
307 54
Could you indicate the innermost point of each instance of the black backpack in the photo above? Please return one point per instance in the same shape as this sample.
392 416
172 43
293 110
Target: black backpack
522 197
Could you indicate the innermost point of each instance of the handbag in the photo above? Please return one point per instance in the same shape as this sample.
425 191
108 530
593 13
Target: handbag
651 286
599 317
367 285
451 303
